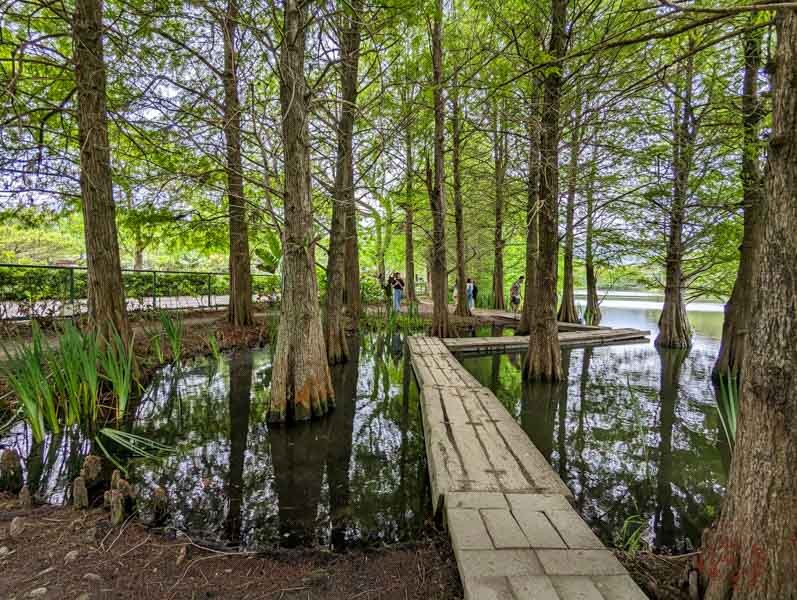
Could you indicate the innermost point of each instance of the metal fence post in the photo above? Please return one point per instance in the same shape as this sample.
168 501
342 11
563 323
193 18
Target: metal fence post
154 290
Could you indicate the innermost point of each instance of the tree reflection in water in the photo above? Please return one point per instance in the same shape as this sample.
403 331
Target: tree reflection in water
632 432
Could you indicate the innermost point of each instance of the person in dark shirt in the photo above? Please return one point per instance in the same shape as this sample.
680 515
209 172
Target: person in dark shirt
398 290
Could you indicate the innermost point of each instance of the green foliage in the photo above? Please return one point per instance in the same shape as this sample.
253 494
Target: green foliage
213 344
117 364
727 396
61 387
631 537
173 329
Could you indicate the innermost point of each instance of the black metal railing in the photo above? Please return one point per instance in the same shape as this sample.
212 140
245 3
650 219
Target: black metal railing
39 291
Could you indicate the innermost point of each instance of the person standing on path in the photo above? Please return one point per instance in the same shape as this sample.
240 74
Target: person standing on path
475 295
398 291
469 292
514 294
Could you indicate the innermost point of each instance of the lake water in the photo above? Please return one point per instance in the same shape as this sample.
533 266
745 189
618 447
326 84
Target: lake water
634 433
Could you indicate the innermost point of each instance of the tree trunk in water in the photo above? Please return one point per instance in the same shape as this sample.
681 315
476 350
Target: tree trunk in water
240 310
754 548
461 309
567 308
532 219
409 219
737 310
436 187
301 386
674 328
106 295
334 331
500 152
592 314
544 358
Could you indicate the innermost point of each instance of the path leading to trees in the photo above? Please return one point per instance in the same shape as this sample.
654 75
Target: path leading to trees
514 532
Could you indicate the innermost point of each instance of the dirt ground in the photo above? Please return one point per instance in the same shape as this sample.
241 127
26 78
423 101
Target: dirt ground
62 553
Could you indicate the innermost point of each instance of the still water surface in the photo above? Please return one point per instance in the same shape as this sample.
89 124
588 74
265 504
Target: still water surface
634 432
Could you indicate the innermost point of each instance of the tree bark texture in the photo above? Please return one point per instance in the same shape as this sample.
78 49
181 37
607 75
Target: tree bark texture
436 184
240 309
592 313
674 328
106 296
567 308
753 552
409 223
301 386
532 218
737 310
461 309
334 331
544 357
500 159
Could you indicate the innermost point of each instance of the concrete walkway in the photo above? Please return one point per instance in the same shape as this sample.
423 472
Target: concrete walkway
514 532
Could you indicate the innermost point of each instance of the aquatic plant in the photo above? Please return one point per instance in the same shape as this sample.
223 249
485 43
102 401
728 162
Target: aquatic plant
727 397
28 379
117 366
173 328
213 343
631 537
136 445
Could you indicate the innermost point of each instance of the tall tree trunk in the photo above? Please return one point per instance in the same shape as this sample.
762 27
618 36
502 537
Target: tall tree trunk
592 314
674 328
532 217
544 357
436 186
106 294
755 547
409 222
240 309
462 309
737 310
301 386
499 155
351 261
334 331
567 308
